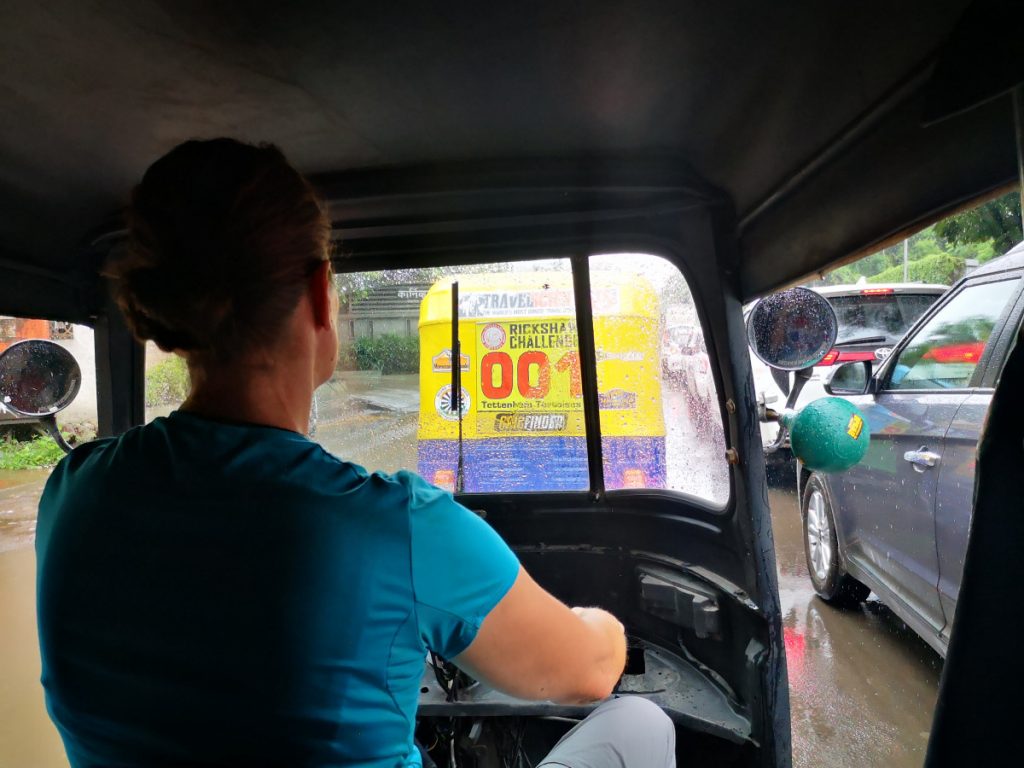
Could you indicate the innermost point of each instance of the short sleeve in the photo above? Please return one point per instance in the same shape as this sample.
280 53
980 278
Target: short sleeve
461 568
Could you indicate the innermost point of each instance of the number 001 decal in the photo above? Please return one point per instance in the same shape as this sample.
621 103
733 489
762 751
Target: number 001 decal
534 372
530 374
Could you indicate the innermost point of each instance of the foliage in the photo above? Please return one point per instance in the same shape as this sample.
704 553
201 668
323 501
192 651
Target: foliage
942 268
167 382
22 447
997 221
388 353
939 254
40 451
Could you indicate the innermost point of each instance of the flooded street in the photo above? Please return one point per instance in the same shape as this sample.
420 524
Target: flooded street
863 686
19 491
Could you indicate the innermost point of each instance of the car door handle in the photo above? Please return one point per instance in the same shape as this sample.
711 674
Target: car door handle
922 459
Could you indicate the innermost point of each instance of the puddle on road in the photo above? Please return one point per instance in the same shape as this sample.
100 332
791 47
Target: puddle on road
27 737
19 500
9 478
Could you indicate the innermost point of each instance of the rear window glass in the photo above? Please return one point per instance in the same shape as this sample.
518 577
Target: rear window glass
888 315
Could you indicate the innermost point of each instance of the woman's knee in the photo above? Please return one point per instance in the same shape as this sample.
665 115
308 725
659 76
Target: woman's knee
625 732
643 714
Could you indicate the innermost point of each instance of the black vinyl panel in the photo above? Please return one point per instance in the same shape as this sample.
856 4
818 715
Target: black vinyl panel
745 93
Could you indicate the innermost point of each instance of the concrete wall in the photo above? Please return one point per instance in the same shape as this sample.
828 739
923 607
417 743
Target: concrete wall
84 351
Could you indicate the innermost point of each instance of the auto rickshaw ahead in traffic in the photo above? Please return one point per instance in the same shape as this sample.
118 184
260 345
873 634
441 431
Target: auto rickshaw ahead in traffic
521 425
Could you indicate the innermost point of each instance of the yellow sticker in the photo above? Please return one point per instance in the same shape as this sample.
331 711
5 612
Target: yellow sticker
856 425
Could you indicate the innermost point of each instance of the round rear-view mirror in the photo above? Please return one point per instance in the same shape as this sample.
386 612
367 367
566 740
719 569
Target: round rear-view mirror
792 329
38 378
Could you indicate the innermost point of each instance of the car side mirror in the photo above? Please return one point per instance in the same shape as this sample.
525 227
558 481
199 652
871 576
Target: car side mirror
38 379
849 379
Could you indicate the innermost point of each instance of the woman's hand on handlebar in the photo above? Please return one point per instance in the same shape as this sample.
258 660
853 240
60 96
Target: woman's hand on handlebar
533 646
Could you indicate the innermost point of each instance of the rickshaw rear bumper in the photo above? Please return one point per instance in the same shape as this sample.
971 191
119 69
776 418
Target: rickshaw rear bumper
519 464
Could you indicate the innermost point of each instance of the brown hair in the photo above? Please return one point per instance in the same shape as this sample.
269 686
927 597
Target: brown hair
223 237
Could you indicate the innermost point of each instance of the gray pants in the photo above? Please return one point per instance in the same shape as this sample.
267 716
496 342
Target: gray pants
628 732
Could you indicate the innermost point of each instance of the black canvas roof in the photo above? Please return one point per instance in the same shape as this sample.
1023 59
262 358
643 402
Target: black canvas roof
808 117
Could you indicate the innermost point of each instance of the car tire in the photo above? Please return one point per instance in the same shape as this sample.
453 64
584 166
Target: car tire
780 469
821 548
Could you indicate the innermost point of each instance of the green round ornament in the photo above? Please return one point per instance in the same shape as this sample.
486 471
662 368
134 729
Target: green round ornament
828 435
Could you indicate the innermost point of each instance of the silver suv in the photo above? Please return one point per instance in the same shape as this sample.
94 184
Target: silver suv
897 522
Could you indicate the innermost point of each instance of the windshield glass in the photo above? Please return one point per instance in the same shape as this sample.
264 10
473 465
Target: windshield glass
391 403
889 315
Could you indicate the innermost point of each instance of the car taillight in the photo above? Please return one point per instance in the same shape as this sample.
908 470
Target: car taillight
634 478
956 353
836 356
445 478
877 291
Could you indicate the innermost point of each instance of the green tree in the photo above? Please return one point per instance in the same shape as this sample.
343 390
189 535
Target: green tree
997 221
940 268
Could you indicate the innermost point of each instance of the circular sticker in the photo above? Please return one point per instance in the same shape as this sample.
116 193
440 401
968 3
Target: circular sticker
493 336
445 407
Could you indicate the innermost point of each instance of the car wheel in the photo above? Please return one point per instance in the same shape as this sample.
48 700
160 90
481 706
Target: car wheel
821 547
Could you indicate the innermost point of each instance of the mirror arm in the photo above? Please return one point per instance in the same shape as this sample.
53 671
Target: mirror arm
800 378
48 425
781 379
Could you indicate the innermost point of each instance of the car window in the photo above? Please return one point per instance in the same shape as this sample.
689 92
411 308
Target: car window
878 313
945 351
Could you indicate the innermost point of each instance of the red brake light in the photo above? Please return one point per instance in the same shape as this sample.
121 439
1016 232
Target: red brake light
855 357
836 356
877 291
634 478
830 358
445 478
956 353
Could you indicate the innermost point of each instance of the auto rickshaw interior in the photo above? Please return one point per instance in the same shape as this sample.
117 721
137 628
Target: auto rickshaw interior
747 144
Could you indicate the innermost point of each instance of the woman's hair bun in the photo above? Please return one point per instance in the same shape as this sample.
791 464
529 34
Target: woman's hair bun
222 239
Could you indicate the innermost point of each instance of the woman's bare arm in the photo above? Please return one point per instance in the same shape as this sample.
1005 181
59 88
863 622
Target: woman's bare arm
535 647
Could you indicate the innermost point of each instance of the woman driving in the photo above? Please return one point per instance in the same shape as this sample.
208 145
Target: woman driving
214 588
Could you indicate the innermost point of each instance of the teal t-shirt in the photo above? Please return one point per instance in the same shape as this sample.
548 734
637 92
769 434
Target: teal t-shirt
228 594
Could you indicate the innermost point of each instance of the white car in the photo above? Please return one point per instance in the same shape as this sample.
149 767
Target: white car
872 319
685 364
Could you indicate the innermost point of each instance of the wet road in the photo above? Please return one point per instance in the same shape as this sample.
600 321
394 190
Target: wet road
863 686
373 423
